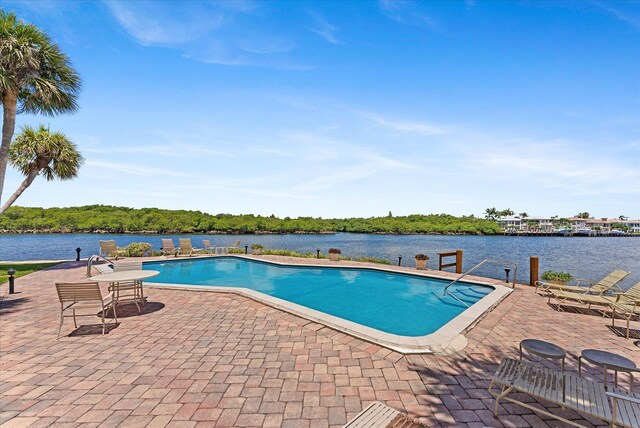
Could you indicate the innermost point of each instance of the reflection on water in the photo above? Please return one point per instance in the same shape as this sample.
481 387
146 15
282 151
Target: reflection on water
349 276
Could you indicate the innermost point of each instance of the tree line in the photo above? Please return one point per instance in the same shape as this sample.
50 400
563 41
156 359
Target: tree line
111 219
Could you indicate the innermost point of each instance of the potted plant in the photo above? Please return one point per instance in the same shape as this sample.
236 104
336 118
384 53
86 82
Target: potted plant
334 254
556 277
421 261
257 249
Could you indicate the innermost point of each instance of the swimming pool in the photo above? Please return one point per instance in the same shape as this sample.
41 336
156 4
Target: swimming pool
391 303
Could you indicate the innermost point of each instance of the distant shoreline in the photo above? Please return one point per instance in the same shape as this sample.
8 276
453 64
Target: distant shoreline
258 233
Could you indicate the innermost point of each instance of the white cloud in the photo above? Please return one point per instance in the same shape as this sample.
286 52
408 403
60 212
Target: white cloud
136 170
324 29
162 150
618 13
156 23
223 33
403 126
407 12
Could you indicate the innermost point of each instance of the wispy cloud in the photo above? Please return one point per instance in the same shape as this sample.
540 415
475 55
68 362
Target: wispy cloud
548 165
223 33
618 13
324 29
136 170
407 12
156 23
421 128
162 150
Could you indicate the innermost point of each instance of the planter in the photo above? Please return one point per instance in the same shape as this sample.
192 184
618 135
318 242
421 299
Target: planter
334 256
256 251
555 281
421 264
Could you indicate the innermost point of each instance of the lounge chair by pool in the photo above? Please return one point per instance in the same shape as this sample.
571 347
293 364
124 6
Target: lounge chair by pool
168 248
108 248
594 299
235 246
602 286
627 305
211 249
186 248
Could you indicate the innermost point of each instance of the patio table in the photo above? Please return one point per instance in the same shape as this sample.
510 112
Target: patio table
608 361
126 285
543 349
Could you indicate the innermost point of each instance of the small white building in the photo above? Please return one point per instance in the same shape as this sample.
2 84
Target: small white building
527 224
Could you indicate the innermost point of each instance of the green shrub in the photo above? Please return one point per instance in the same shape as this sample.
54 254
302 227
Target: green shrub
137 249
257 246
236 251
551 275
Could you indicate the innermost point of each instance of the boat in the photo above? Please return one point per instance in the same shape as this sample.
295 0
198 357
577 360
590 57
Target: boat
585 231
562 231
616 232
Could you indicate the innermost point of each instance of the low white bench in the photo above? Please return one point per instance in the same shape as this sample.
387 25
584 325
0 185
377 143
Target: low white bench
567 390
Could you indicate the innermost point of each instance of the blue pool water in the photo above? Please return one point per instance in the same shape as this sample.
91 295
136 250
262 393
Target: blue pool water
395 303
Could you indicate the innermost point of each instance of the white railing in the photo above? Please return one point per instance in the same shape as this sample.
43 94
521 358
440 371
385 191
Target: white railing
515 272
93 258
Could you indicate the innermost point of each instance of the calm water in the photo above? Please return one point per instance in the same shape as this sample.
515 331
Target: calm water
394 303
581 256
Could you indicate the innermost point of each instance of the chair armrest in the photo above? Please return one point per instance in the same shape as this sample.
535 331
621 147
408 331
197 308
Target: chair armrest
617 396
579 282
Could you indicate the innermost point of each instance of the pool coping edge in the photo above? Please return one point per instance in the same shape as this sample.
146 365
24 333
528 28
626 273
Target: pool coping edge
447 339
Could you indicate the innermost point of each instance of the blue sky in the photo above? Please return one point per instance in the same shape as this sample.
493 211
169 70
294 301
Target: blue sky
352 108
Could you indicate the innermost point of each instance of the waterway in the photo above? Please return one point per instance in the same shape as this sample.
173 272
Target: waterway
583 257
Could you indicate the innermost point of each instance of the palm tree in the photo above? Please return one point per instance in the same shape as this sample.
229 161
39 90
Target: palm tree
505 213
523 215
39 152
35 77
490 213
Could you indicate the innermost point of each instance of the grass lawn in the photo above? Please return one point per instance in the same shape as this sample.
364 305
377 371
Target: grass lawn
22 269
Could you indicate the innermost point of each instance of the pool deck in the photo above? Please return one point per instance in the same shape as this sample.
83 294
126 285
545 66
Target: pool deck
209 359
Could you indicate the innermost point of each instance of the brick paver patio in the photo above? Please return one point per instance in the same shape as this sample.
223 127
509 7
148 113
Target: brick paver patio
208 359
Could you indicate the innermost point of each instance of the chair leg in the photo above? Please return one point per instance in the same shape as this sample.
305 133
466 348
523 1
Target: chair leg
103 324
505 391
75 323
61 321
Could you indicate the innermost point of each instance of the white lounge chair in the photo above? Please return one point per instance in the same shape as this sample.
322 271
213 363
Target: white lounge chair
168 248
627 305
108 248
186 248
211 249
605 284
235 246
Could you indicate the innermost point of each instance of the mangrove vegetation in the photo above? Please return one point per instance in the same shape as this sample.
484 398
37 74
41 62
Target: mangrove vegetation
111 219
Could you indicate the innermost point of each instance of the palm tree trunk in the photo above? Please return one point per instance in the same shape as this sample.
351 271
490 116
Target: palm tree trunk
25 183
9 104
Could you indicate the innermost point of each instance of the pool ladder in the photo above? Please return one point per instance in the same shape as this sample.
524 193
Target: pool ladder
95 258
485 261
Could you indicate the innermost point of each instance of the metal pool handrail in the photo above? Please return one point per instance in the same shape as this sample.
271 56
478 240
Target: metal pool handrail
93 258
515 272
